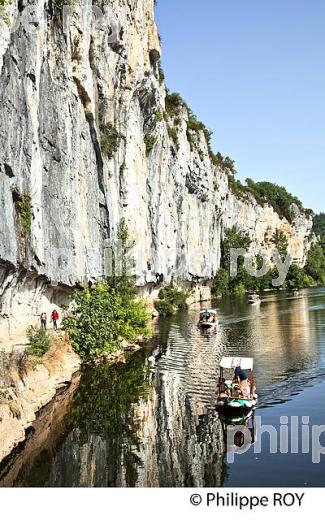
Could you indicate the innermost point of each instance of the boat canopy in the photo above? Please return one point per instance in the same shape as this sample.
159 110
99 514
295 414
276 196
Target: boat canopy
210 311
233 362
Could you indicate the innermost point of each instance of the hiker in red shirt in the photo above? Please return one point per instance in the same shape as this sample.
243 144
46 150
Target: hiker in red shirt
55 317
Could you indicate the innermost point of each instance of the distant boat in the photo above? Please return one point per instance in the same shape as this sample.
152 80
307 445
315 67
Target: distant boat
254 299
295 292
208 319
230 398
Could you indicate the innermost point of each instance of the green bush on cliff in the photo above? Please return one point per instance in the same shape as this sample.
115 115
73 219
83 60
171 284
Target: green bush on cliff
277 196
221 282
109 139
101 320
108 313
171 298
39 342
150 142
24 211
3 13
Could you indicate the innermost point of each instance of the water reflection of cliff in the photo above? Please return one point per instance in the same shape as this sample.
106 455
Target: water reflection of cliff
146 424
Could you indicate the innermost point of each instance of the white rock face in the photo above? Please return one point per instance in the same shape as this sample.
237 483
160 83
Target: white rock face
56 88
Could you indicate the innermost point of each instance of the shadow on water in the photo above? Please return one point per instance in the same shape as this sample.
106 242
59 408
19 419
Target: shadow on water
152 421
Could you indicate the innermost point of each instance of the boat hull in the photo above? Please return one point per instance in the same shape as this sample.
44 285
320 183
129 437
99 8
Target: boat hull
207 325
234 406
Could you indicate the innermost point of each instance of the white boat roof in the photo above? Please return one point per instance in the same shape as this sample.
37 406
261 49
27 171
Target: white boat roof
210 311
233 362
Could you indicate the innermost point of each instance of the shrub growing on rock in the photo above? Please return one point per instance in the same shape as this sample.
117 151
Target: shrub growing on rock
108 313
39 341
171 298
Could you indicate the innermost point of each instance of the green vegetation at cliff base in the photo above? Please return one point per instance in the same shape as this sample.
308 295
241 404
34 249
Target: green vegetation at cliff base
107 314
171 298
312 274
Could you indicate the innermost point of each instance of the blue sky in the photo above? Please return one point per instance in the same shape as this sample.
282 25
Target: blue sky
254 72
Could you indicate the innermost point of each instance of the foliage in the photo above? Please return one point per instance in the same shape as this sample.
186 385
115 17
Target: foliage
121 279
109 139
171 298
277 196
197 126
24 211
234 239
164 308
297 278
161 74
100 321
172 132
281 243
39 341
173 103
150 142
239 289
316 264
221 282
3 13
319 224
159 117
108 313
226 164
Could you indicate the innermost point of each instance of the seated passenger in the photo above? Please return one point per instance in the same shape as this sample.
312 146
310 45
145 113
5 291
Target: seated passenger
223 389
206 315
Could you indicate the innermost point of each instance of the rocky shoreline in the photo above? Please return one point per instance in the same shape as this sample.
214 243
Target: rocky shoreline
32 387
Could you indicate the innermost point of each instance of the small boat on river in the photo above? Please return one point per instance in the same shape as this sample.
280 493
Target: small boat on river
208 319
236 393
254 299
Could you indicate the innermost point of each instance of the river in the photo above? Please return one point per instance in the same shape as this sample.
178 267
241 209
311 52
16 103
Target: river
152 421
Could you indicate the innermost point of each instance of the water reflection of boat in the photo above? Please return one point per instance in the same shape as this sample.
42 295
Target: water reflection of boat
236 395
240 436
208 319
254 299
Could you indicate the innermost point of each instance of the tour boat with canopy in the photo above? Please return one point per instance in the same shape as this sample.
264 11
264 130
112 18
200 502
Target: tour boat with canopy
235 393
254 299
208 319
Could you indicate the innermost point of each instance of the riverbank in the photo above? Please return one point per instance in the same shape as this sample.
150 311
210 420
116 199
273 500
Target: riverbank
29 387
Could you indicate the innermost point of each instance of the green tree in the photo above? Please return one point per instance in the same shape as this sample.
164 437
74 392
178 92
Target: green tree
297 277
171 297
39 341
315 266
122 265
221 282
319 224
108 313
277 196
281 243
234 239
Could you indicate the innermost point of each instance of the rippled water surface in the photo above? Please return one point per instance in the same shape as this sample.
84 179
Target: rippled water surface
153 422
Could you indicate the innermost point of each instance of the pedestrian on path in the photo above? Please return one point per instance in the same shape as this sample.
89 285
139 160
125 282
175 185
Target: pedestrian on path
43 320
55 317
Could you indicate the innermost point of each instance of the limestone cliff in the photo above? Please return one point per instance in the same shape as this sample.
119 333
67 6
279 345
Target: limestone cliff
84 141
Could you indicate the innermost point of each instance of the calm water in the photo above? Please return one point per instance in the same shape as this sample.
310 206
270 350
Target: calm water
152 421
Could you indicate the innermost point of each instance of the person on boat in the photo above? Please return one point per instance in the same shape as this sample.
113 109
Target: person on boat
206 315
223 388
242 378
